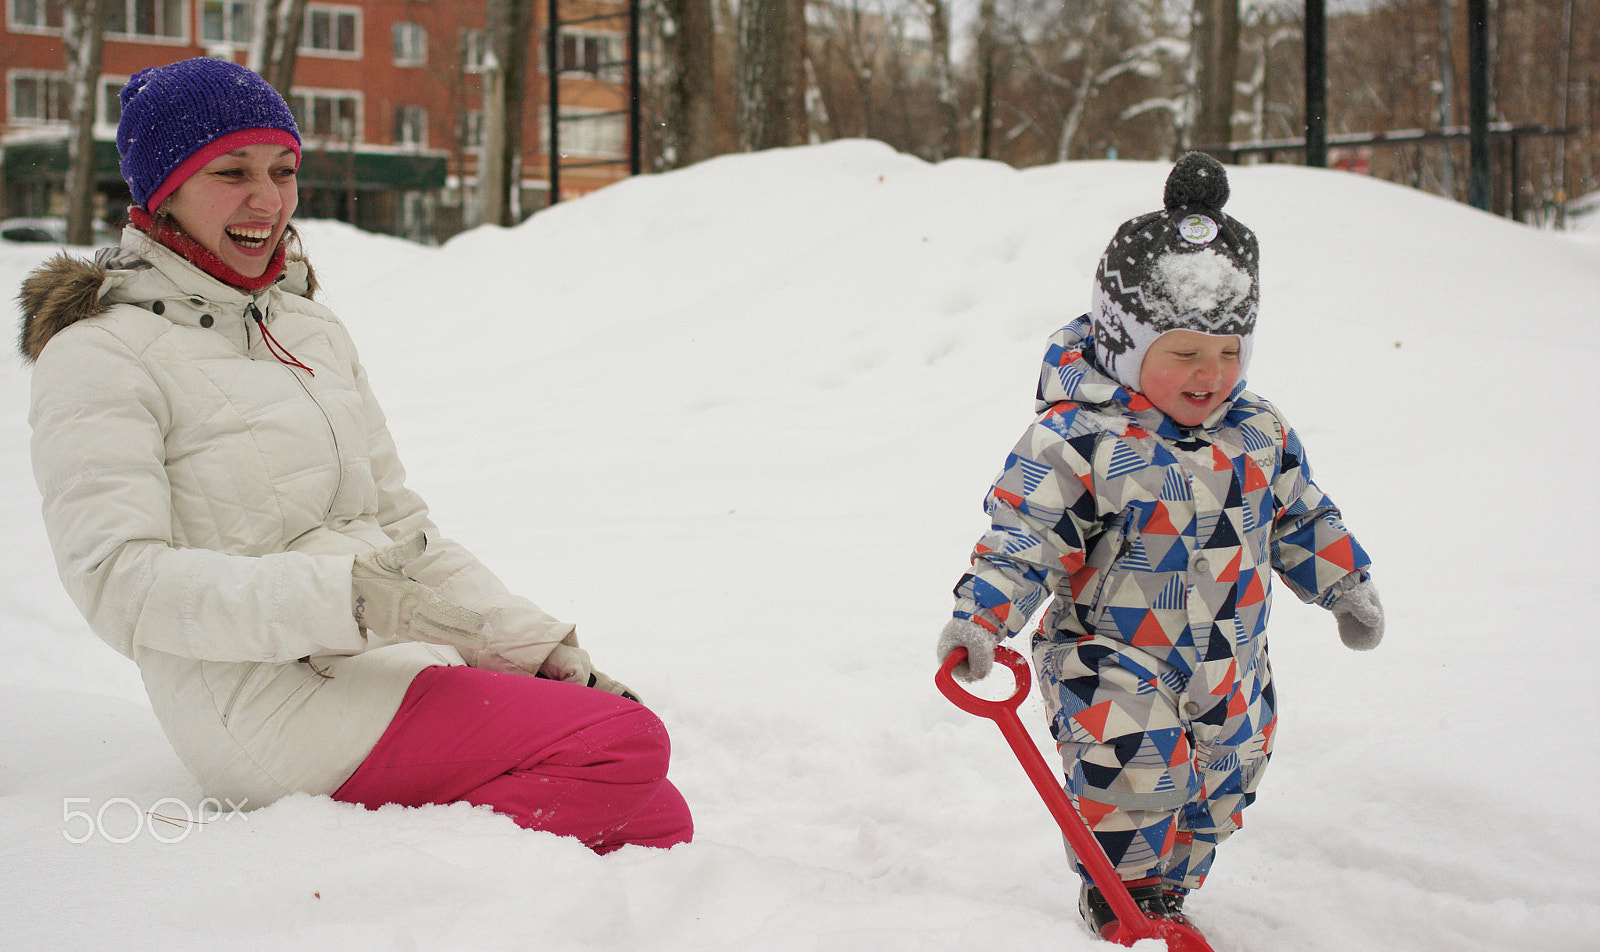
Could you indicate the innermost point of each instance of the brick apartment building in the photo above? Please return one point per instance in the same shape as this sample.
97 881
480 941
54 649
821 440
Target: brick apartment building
387 94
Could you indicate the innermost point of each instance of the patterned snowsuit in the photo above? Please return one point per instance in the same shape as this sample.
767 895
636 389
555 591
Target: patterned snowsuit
1158 543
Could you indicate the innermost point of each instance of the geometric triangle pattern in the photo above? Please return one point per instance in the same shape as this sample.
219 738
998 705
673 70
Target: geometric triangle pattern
1160 536
1159 766
1156 546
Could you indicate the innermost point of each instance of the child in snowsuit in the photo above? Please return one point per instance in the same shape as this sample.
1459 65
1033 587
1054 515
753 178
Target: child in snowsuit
1154 497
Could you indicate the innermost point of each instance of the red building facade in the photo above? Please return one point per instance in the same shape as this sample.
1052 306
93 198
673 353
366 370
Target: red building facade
388 95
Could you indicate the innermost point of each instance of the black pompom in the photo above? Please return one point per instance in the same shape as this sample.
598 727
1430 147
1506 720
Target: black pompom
1196 179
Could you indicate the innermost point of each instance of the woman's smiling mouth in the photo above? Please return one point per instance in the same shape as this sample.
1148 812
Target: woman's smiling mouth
252 239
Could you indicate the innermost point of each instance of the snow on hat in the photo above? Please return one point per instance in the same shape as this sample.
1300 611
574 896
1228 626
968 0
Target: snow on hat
178 117
1187 267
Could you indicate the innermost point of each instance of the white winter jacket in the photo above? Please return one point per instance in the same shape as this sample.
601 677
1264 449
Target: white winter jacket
205 501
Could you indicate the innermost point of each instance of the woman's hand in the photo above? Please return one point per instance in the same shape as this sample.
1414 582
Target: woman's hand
387 603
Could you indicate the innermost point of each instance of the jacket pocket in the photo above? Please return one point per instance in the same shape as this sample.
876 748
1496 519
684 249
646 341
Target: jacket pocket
1110 552
246 678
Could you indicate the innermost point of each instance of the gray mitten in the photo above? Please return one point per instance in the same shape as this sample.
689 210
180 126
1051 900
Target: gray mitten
610 685
979 642
388 604
1359 614
570 663
562 661
567 662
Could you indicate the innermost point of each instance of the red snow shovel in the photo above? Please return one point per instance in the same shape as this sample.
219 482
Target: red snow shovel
1132 924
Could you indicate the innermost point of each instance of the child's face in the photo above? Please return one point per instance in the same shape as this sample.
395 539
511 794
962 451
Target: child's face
1187 375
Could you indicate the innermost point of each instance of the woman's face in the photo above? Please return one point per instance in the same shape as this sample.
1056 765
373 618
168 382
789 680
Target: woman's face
238 205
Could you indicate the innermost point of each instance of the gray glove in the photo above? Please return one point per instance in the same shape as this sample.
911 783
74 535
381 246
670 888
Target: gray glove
979 642
1359 614
388 604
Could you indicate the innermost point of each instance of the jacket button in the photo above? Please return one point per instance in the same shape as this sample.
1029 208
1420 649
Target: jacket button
159 307
1191 708
1200 563
206 320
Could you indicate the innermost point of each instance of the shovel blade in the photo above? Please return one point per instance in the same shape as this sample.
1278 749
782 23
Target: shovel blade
1179 938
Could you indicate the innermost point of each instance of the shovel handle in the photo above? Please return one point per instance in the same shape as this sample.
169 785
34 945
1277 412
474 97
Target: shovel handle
1132 924
973 704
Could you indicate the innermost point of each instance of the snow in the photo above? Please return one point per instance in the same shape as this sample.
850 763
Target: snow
1197 283
737 423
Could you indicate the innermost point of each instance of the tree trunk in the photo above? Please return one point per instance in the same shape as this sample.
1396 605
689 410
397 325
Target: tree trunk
772 41
689 40
82 35
491 161
510 23
987 39
948 142
1216 52
1447 93
1087 85
277 43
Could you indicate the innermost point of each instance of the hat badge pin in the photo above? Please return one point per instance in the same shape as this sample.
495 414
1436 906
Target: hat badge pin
1198 229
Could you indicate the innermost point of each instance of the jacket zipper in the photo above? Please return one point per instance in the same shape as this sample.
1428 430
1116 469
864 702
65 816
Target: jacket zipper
1124 528
254 313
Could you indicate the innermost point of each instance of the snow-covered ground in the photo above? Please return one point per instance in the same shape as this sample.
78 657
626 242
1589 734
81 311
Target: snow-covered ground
737 422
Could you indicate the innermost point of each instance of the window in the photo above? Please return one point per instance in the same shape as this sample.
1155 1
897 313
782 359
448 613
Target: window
470 129
474 50
40 97
599 55
36 15
146 18
410 44
110 99
591 134
411 126
332 30
228 21
330 115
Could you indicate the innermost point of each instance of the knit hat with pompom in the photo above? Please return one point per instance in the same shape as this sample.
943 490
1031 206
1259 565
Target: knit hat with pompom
1187 267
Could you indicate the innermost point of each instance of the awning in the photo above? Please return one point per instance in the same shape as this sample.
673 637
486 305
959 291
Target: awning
41 160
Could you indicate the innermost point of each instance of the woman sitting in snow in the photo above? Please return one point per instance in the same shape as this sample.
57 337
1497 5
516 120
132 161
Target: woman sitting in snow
227 509
1154 497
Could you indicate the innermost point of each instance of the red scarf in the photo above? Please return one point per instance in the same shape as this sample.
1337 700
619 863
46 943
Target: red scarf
192 251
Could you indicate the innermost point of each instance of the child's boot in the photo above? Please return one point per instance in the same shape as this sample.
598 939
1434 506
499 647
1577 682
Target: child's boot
1147 894
1174 901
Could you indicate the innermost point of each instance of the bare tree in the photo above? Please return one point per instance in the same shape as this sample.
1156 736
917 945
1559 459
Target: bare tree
1216 62
771 77
1065 74
277 41
82 36
849 41
688 40
948 140
987 38
492 169
1086 83
510 24
1274 89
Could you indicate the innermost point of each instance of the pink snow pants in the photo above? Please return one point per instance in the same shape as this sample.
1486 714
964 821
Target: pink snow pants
553 756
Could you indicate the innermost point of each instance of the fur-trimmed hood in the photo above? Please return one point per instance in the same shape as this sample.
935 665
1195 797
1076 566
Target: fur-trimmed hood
66 289
209 462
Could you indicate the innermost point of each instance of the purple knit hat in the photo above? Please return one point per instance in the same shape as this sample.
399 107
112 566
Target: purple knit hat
178 117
